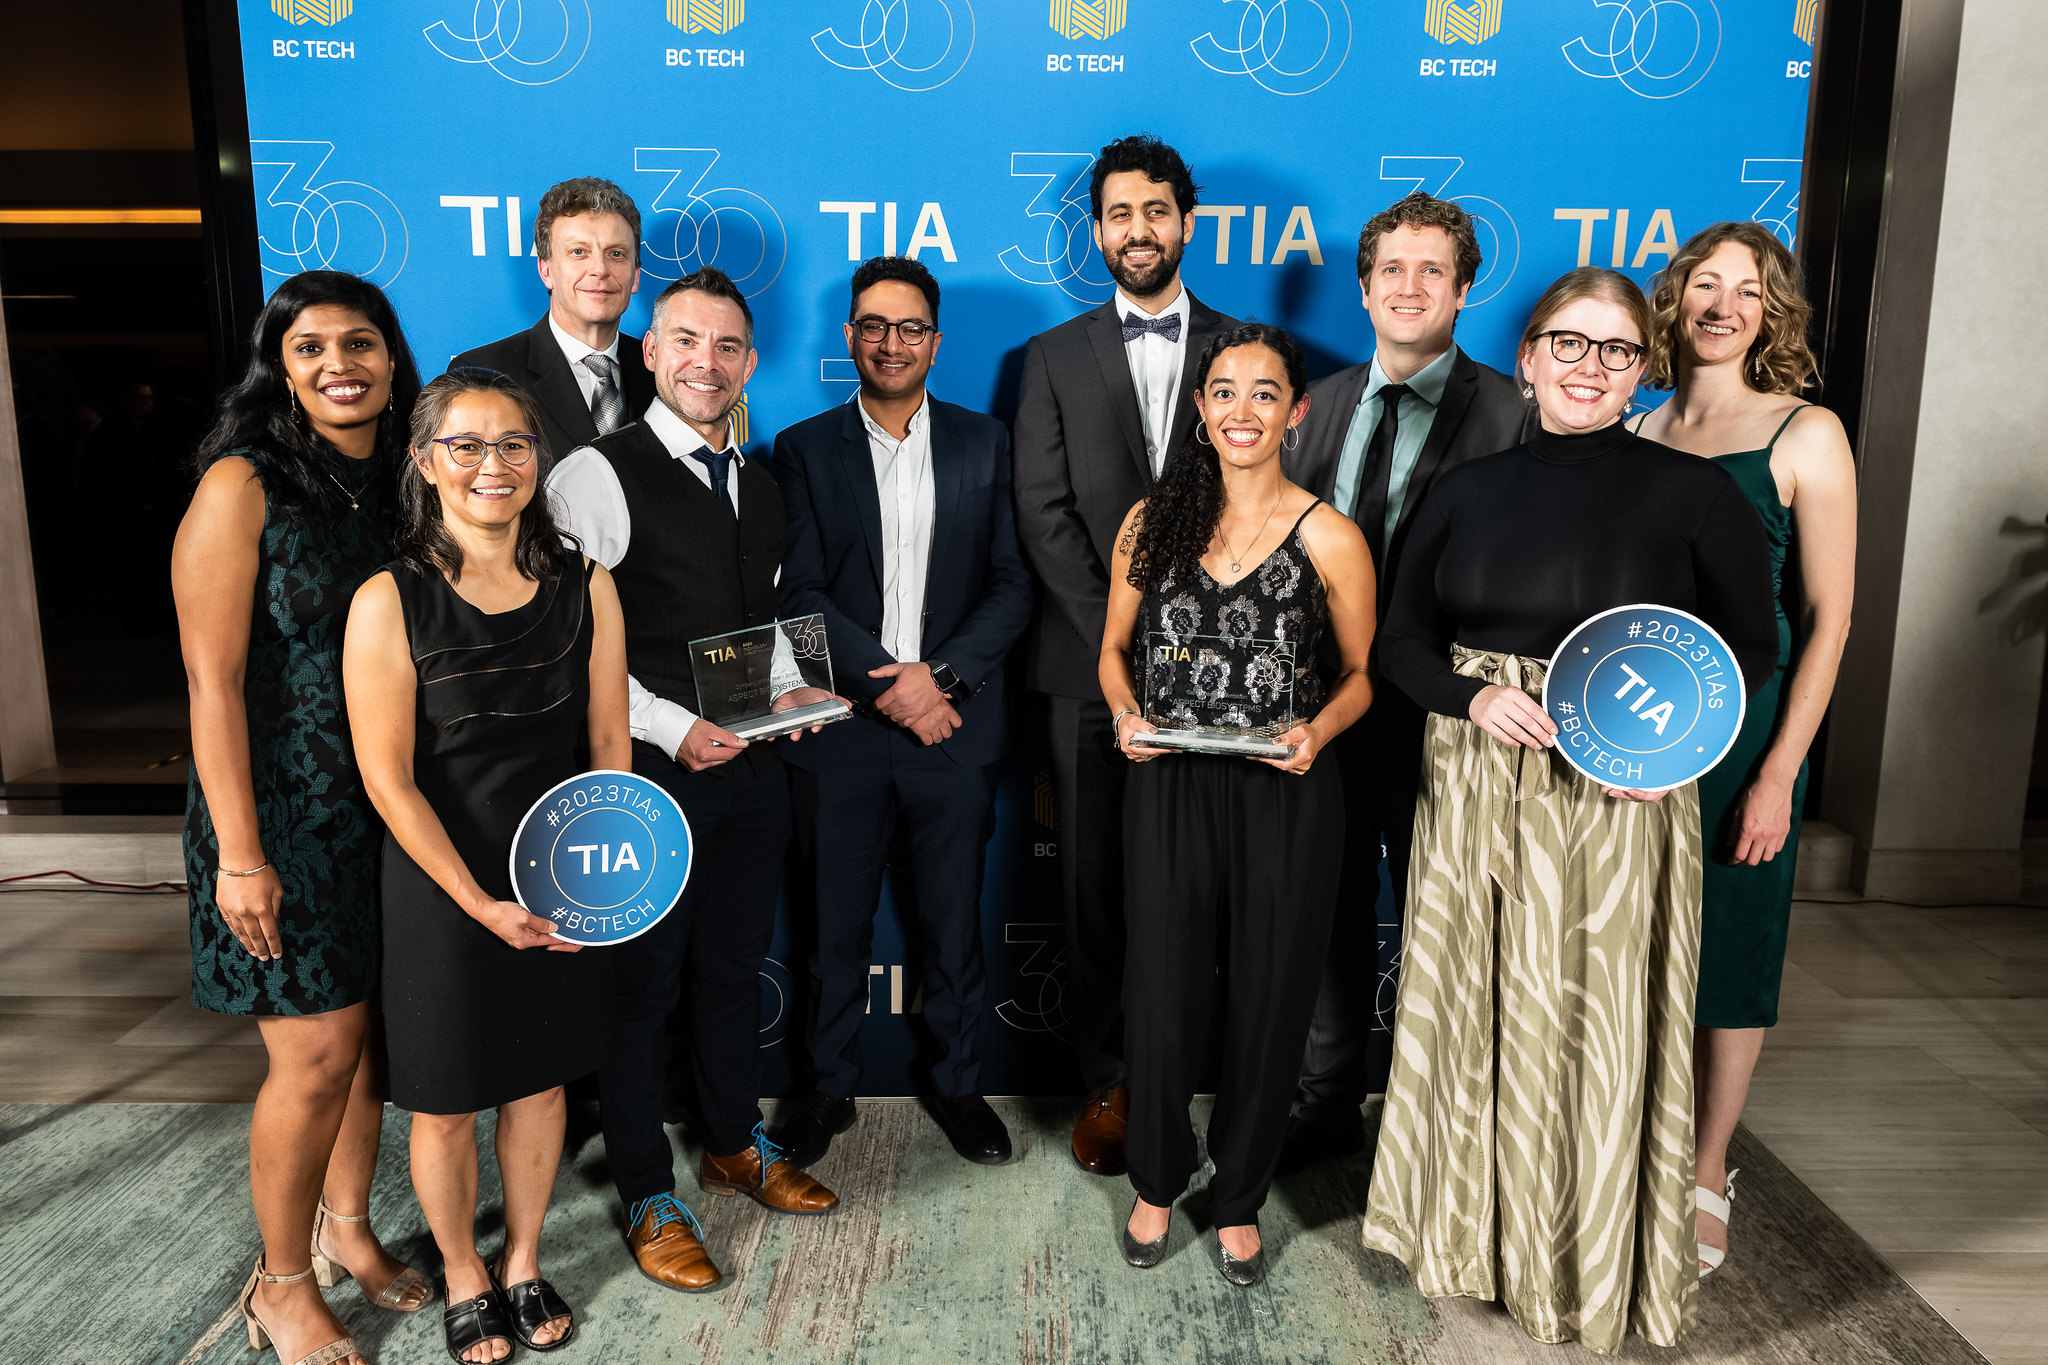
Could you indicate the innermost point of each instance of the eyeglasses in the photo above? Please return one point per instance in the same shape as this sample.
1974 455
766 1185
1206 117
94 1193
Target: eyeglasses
514 448
910 331
1615 354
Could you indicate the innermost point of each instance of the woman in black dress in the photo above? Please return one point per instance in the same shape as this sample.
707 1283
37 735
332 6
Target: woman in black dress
1230 865
293 511
478 667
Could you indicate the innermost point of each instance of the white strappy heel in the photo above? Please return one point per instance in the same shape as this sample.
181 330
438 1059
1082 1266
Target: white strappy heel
1719 1206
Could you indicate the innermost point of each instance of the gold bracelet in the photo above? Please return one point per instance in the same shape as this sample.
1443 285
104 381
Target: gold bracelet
225 872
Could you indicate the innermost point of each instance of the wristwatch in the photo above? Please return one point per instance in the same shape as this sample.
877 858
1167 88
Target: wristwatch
947 681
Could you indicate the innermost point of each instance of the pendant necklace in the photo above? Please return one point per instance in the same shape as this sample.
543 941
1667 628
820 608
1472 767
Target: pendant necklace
352 494
1235 566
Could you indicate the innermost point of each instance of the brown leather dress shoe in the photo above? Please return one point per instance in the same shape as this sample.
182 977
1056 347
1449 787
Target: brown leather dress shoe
668 1245
762 1175
1099 1134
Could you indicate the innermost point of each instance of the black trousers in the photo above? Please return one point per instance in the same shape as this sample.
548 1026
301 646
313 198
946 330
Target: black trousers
1088 776
847 823
1380 761
1231 879
718 937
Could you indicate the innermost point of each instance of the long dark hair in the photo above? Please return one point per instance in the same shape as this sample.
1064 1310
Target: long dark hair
1186 505
258 420
424 544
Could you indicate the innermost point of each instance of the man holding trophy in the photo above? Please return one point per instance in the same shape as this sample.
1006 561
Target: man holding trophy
692 532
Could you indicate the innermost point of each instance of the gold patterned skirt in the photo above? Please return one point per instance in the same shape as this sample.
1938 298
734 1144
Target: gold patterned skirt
1537 1141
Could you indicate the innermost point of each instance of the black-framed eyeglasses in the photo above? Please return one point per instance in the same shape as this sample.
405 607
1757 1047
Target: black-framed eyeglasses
910 331
1615 354
515 448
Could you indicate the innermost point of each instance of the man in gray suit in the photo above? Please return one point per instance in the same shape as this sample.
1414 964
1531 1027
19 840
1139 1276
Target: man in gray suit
1376 437
1105 398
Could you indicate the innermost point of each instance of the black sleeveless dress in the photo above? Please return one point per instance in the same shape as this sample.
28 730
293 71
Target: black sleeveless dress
473 1022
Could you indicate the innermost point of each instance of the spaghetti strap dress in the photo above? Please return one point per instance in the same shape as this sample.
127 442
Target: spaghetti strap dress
1746 912
473 1022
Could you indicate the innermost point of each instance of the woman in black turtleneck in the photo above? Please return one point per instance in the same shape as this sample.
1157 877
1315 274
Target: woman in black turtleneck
1536 1144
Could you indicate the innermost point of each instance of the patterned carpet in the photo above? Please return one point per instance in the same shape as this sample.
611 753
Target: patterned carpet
125 1231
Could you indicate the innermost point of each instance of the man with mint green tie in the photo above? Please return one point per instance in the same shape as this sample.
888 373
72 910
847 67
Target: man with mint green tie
1376 437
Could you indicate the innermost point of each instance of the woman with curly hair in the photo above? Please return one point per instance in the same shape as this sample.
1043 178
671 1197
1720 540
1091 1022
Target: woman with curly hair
1728 332
1536 1143
1230 866
295 508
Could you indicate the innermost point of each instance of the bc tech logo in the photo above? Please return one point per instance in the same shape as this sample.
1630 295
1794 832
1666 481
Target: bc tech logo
707 16
913 45
313 11
528 42
1803 20
1289 47
1656 48
1449 22
1097 19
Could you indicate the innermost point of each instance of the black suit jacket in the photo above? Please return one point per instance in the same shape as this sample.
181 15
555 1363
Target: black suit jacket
1481 412
977 594
535 359
1081 465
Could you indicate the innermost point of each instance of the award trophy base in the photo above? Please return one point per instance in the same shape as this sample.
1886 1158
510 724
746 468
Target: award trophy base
778 723
1223 743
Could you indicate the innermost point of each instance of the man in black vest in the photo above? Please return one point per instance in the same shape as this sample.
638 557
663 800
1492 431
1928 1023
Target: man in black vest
692 531
589 376
1376 437
1105 397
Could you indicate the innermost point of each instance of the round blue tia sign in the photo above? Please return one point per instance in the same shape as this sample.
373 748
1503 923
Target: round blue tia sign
1645 697
604 855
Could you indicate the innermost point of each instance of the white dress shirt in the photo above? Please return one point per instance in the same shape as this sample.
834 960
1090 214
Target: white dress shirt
575 351
903 480
1156 364
590 505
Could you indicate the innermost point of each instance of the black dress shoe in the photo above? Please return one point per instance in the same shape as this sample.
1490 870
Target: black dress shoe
975 1130
1145 1255
806 1135
1321 1136
1244 1274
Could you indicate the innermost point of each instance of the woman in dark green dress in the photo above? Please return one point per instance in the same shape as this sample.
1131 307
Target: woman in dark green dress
294 510
1730 336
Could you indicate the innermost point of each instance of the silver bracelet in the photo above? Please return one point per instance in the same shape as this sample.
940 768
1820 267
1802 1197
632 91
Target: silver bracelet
1116 739
225 872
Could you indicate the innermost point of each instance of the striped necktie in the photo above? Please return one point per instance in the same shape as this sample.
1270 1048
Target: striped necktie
607 405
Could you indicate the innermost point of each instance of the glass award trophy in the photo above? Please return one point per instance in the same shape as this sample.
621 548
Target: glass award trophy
1211 694
767 680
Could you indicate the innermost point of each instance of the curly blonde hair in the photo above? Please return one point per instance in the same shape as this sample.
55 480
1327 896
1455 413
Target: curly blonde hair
1779 360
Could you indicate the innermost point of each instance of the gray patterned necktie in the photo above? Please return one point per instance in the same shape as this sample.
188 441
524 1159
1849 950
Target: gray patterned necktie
607 405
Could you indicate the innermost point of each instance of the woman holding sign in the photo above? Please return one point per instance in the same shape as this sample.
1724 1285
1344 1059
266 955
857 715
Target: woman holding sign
1536 1144
1730 335
1231 863
479 665
295 505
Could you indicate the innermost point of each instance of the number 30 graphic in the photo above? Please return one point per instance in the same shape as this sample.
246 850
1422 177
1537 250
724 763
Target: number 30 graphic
305 223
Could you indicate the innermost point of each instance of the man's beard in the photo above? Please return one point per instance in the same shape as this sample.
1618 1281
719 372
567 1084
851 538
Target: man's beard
1140 283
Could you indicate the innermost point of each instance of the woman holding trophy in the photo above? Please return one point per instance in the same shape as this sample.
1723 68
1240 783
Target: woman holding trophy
1224 584
1537 1144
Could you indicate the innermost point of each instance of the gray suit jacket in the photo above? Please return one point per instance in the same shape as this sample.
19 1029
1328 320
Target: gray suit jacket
1080 466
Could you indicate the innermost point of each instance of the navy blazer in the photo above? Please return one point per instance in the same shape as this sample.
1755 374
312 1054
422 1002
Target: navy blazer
977 596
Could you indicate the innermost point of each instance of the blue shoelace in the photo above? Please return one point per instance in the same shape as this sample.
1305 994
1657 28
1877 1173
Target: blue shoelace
667 1209
770 1153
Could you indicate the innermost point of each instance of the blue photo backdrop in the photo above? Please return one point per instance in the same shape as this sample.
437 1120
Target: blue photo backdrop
784 140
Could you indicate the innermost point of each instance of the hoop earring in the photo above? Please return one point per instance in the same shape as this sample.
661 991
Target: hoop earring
1200 428
1295 432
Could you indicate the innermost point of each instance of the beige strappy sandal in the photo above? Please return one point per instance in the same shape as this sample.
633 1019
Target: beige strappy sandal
1718 1206
259 1335
328 1272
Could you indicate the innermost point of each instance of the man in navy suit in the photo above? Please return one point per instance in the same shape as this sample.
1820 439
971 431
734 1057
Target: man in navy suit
901 534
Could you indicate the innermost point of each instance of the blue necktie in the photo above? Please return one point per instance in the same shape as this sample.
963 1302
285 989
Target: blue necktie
1167 325
719 463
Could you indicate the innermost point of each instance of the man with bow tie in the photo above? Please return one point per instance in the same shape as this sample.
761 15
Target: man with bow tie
589 377
1105 398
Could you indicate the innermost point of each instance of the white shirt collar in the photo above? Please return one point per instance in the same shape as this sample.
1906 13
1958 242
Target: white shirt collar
918 420
1179 305
576 350
679 438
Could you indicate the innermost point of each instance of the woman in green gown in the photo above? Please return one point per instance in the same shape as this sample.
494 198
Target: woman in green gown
1729 336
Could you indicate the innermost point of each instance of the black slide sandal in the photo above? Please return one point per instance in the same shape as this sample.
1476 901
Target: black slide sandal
471 1322
534 1305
